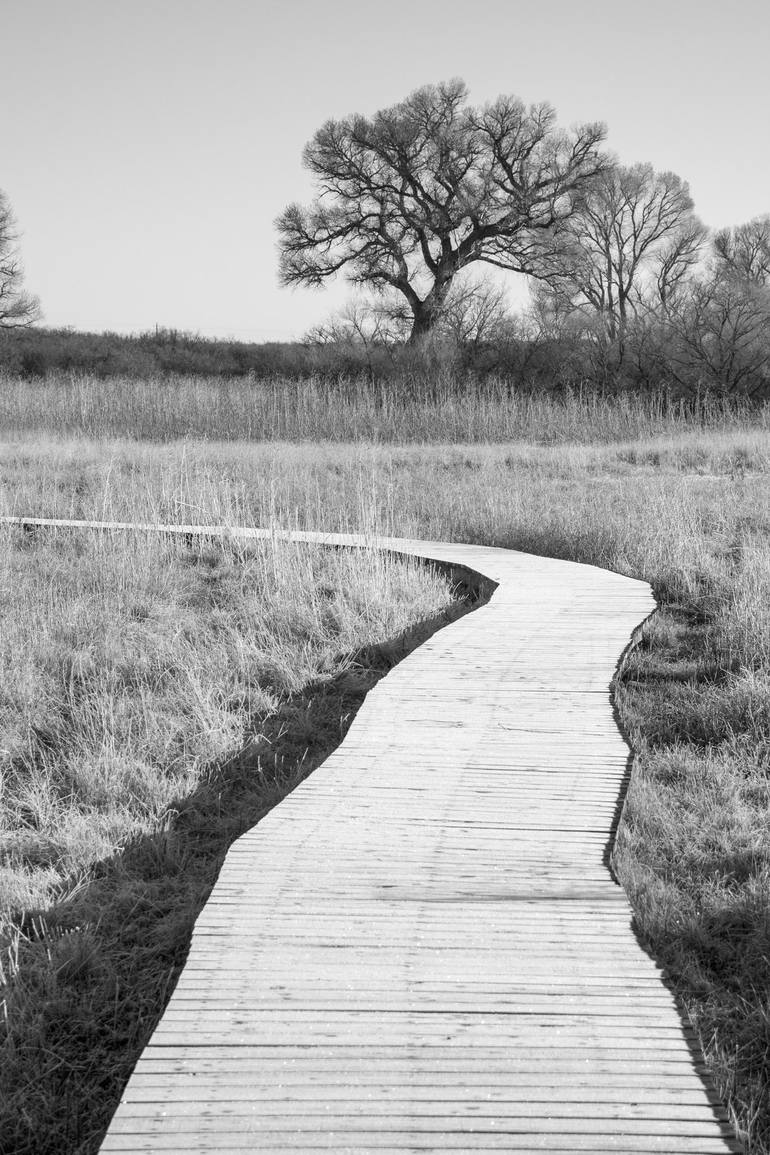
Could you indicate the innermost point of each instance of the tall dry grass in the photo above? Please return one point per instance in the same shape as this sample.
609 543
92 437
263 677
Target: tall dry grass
445 409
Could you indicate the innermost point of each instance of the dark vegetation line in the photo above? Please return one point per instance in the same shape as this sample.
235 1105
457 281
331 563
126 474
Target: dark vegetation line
524 363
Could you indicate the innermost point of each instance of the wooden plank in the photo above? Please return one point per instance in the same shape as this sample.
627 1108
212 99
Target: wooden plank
422 948
292 1124
527 1094
394 1143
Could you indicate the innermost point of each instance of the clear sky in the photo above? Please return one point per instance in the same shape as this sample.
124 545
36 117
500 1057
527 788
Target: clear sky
148 145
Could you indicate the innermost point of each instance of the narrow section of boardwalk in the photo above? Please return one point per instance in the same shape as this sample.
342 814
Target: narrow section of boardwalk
422 949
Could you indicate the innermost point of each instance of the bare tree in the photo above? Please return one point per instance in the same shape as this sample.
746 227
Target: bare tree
476 311
745 250
628 248
719 330
409 197
359 322
720 334
16 306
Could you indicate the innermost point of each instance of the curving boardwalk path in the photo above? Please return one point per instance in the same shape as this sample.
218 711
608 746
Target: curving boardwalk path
421 949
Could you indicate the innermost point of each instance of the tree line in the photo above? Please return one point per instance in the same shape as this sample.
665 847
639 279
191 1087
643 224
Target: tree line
628 288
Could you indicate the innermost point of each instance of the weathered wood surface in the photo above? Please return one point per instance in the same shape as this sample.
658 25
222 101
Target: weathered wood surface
422 948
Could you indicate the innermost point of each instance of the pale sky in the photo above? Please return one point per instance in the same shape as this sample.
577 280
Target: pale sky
148 146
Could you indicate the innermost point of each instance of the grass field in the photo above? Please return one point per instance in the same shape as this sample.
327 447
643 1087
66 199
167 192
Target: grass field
682 505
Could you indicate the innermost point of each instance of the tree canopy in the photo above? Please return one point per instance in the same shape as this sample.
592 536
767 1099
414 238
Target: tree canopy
409 197
744 251
628 248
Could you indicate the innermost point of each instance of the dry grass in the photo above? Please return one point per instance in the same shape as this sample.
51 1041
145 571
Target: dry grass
686 509
446 408
693 851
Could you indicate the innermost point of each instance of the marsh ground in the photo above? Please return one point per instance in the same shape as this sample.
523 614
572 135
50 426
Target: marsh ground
682 504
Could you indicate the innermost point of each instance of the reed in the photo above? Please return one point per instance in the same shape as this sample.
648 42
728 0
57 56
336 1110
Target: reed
447 409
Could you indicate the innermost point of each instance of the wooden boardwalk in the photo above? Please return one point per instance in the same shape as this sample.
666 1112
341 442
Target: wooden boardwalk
422 948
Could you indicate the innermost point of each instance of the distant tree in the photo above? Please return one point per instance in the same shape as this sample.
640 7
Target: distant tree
719 334
476 311
16 306
627 249
745 250
352 324
360 322
409 197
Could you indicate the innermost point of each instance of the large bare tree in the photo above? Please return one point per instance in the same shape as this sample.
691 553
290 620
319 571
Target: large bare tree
409 197
16 306
628 248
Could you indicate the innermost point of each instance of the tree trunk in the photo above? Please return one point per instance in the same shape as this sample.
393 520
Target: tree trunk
427 313
422 325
